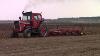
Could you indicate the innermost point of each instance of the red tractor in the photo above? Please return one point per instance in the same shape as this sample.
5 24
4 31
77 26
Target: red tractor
30 24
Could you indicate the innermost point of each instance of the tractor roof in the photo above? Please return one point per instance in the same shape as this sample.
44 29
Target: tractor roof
30 13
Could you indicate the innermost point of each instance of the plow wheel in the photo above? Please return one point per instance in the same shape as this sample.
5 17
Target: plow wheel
43 30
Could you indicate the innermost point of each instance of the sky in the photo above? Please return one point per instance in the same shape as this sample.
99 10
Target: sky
51 9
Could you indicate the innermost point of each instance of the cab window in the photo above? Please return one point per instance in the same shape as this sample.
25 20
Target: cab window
37 17
29 17
26 18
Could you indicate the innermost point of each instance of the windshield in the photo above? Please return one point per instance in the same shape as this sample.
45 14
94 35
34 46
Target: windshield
26 18
37 17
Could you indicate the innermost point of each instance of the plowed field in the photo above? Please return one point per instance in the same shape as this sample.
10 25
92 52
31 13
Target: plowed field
51 46
86 45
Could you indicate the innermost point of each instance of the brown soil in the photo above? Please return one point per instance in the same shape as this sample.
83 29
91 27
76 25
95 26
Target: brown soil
51 46
88 45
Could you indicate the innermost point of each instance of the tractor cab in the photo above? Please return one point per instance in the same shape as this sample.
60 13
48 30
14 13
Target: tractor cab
26 17
30 19
29 16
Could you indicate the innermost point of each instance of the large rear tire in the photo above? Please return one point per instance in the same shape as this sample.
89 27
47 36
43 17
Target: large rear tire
43 30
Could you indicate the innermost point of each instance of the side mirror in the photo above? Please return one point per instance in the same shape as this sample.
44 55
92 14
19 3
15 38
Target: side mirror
19 18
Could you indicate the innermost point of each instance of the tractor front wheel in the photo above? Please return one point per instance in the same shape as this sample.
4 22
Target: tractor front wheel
27 33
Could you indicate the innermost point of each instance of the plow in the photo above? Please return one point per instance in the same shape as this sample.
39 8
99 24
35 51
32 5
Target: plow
31 24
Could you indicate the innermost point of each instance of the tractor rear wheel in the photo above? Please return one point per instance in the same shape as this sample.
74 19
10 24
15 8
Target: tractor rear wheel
43 30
